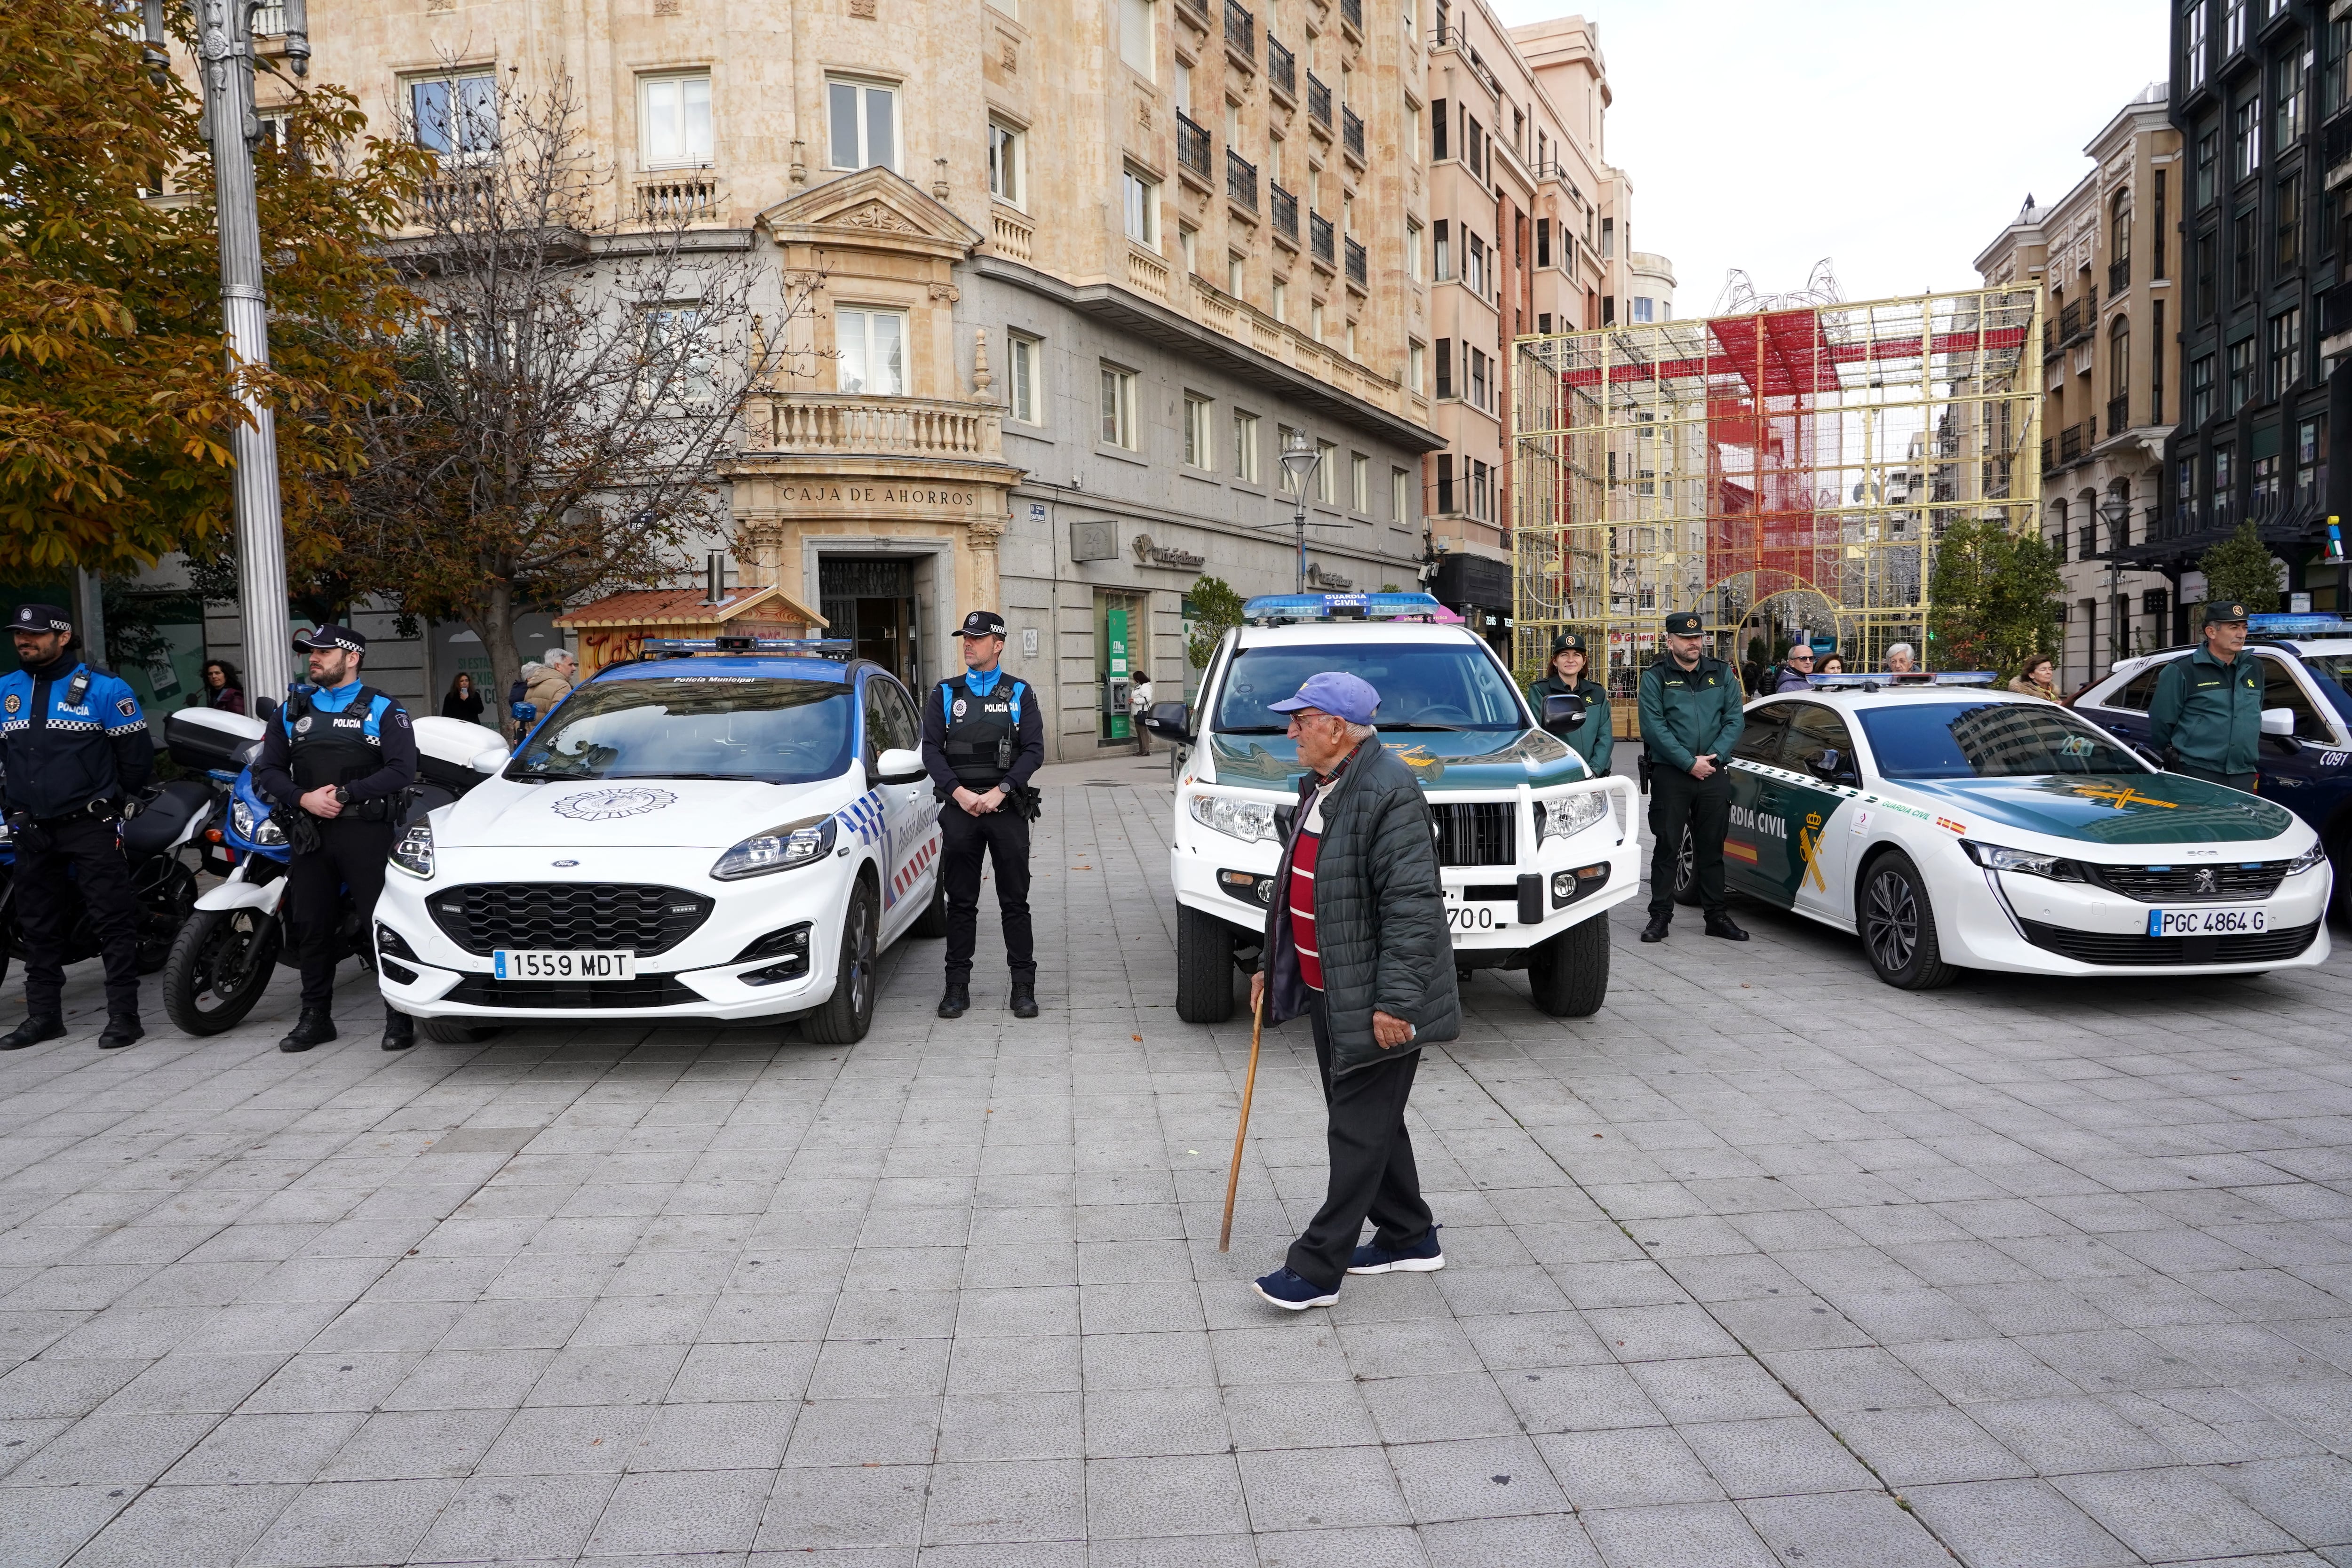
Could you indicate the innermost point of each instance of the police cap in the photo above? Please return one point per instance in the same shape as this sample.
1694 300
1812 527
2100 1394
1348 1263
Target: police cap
1567 642
1682 624
2222 612
321 639
40 618
982 624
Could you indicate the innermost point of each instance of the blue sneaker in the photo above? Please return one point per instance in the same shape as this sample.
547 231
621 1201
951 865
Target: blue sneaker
1292 1293
1422 1257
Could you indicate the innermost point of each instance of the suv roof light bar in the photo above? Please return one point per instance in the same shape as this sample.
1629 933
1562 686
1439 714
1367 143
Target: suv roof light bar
685 648
2297 625
1269 608
1878 680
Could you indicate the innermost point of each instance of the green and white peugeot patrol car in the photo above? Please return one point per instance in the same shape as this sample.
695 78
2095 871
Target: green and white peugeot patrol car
1535 849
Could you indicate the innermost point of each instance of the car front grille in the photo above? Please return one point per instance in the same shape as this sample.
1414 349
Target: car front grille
2192 884
2126 948
645 991
570 917
1475 833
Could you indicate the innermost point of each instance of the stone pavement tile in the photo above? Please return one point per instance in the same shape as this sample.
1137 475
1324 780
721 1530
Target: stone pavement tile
879 1369
1556 1540
1712 1388
2017 1524
643 1320
1041 1363
1020 1310
389 1326
111 1450
342 1380
1177 1551
1660 1332
1785 1455
471 1380
1968 1370
186 1527
1595 1286
1509 1340
1844 1530
246 1449
1745 1276
2115 1359
1182 1496
1800 1320
602 1375
336 1522
66 1388
1437 1408
699 1511
1006 1555
845 1508
415 1445
1678 1535
41 1527
20 1440
1005 1500
1161 1307
564 1440
2174 1513
1296 1415
132 1333
1627 1468
744 1371
748 1435
902 1430
1578 1398
750 1315
2030 1308
1922 1446
514 1325
1480 1478
515 1519
1902 1317
1119 1423
1843 1379
2310 1498
1418 1347
1299 1488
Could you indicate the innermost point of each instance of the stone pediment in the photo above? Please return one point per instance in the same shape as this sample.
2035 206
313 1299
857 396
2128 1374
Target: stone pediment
873 208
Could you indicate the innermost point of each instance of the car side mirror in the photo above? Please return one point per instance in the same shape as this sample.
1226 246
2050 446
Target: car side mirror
265 709
489 762
1563 708
899 765
1286 817
1168 721
2278 722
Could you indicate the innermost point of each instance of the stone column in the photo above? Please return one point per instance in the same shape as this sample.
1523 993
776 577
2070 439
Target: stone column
760 554
985 588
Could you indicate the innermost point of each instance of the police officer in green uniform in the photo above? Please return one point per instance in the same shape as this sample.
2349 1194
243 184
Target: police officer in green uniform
1690 707
1592 739
2206 718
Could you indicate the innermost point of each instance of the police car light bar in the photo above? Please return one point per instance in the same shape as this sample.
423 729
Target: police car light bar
2293 626
822 647
1341 608
1875 680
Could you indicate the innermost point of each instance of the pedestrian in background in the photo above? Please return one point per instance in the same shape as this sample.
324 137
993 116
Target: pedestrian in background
1796 668
2206 718
1832 663
1898 659
1691 718
463 701
1592 738
2038 679
223 688
557 675
1357 941
1139 703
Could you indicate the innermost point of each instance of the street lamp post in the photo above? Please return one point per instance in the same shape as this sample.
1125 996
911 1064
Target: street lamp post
225 59
1300 458
2115 511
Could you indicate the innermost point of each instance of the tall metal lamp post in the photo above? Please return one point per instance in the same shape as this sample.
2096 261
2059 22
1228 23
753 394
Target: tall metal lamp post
2114 511
225 58
1300 458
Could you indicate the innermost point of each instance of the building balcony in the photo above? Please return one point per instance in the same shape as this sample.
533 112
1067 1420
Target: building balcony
1281 69
1011 234
1192 147
1352 134
1241 31
1284 211
2118 276
1357 265
1241 181
2118 413
2072 442
1196 12
1318 102
1351 13
1321 243
1146 274
270 18
687 196
832 424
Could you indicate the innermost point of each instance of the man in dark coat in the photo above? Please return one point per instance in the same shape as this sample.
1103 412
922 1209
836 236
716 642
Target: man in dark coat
1357 941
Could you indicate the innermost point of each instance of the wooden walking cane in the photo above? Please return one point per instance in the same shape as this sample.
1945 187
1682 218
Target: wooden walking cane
1249 1085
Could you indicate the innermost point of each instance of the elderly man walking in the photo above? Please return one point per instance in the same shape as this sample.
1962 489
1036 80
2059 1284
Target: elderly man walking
1357 941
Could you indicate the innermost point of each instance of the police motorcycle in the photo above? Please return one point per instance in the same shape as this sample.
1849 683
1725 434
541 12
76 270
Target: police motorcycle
223 959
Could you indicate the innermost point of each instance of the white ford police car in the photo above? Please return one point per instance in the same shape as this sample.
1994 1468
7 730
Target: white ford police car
1533 848
728 830
1953 827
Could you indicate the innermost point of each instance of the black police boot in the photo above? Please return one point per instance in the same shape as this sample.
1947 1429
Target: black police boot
1720 925
957 1001
399 1029
315 1027
1657 930
121 1029
32 1032
1024 998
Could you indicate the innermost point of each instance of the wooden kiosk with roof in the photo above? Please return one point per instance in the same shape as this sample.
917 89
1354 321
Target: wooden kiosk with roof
614 629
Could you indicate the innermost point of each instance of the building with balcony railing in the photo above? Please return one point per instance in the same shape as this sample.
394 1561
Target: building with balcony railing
1191 145
1359 268
1241 181
1320 239
1284 208
1318 101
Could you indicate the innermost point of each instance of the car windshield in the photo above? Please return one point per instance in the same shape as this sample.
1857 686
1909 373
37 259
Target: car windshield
1423 686
720 727
2334 673
1962 739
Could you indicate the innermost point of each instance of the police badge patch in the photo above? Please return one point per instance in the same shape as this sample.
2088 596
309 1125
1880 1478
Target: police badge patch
15 702
127 708
959 708
302 725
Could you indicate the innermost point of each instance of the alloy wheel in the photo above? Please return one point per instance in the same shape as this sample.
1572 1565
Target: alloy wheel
1891 921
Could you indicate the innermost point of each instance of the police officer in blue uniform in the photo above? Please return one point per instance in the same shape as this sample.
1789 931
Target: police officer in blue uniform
336 764
982 737
74 746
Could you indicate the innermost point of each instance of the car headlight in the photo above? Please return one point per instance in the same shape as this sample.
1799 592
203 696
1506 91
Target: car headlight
1247 820
414 852
1995 858
1562 816
2306 860
794 844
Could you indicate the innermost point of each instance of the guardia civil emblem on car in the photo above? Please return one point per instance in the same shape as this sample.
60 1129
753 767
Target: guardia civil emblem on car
602 805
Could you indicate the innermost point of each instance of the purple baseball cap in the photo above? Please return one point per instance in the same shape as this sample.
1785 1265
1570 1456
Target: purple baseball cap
1334 692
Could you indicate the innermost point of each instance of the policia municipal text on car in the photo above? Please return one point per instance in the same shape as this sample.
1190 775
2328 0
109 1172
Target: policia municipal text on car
982 737
1691 717
2206 718
75 747
336 763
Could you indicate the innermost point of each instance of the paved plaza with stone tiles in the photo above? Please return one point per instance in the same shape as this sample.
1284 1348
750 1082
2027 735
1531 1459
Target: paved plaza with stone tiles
1766 1263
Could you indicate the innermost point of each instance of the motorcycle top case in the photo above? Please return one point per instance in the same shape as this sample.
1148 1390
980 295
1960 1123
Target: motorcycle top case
445 749
210 738
158 823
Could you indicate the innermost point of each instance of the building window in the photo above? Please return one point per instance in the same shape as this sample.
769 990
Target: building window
1445 368
455 116
1644 308
2223 482
1444 251
2265 485
2241 254
2306 456
2208 296
2240 389
1482 491
1199 436
2287 352
2156 238
1315 319
1281 297
1437 128
2233 26
1474 264
673 337
1118 407
1480 389
1021 375
674 114
2193 46
1188 247
872 347
1360 483
1139 200
2200 389
1327 473
1138 32
2338 90
2288 241
2120 232
1413 250
864 124
1399 496
2209 158
2286 122
1245 447
1608 238
1444 485
1415 356
2246 138
1006 150
2156 365
2119 375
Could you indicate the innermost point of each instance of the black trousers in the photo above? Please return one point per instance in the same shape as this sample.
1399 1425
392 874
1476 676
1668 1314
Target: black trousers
1372 1173
2230 781
1678 800
348 864
44 912
1003 835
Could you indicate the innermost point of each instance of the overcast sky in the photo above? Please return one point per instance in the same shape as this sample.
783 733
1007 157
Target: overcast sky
1896 138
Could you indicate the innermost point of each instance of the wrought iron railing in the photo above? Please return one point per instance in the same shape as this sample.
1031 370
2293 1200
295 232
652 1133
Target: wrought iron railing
1191 145
1241 180
1352 13
2118 276
1281 67
1319 99
2119 413
1358 269
1285 211
1320 238
1241 29
1351 132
